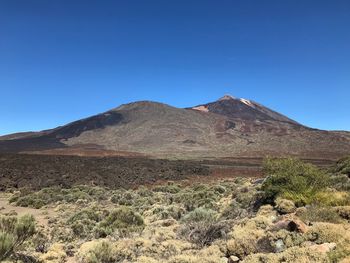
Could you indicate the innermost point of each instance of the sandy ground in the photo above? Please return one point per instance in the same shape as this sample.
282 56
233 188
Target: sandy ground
41 215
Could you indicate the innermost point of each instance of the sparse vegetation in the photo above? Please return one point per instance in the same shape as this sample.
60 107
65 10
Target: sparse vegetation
280 219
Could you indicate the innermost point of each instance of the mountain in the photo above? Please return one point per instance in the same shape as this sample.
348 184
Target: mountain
228 127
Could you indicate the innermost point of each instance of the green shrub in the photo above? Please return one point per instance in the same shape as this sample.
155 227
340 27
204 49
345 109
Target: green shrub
123 198
320 214
234 211
168 212
200 215
83 222
13 233
123 220
197 197
169 188
292 179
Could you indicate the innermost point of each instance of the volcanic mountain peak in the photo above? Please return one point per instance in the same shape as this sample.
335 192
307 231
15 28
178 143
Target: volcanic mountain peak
227 97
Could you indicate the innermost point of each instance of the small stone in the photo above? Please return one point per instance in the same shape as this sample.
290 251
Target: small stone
324 248
279 245
233 259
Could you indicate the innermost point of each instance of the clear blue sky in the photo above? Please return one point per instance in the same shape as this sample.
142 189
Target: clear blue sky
61 60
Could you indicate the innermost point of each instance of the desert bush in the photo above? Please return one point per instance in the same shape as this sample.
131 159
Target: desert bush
321 232
55 254
343 212
13 233
342 166
246 197
293 254
332 198
123 220
168 188
201 227
293 179
168 212
196 197
340 182
234 211
57 194
320 214
83 222
99 252
284 206
341 252
121 197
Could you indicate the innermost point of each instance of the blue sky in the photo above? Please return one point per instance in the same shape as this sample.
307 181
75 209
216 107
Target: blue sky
63 60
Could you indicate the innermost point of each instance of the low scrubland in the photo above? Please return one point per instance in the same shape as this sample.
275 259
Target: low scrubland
297 213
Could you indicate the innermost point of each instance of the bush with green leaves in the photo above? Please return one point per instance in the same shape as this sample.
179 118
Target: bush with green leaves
13 233
293 179
122 220
202 227
199 196
83 222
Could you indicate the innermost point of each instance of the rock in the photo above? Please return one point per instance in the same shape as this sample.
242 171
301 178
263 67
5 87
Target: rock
324 248
284 206
297 225
279 246
233 259
293 225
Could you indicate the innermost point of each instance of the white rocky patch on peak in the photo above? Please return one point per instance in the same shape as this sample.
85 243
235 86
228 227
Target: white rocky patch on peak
247 102
201 108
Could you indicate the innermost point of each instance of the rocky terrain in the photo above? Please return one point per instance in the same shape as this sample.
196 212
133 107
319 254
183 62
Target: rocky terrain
299 213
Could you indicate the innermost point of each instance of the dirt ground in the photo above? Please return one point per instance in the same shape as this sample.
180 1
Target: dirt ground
41 216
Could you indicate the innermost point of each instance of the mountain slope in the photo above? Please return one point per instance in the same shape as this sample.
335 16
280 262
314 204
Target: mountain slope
224 128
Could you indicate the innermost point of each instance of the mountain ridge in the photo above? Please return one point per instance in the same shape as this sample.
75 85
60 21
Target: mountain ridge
226 127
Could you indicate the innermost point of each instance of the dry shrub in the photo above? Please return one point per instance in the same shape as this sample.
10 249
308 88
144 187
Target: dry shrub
285 206
55 254
210 254
291 255
328 232
98 251
319 214
201 227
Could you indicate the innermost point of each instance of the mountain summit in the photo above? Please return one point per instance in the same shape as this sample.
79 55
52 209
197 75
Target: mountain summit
228 127
244 109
